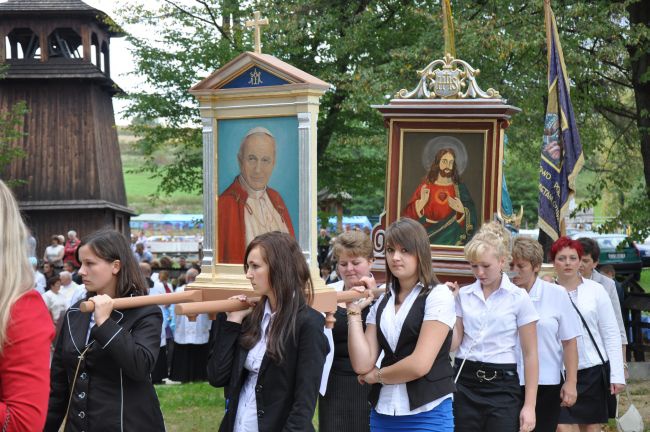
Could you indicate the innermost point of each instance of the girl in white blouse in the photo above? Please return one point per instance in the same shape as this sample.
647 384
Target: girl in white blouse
412 324
557 330
492 313
592 302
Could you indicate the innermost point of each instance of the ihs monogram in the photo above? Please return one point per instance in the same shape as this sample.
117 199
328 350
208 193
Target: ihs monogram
256 77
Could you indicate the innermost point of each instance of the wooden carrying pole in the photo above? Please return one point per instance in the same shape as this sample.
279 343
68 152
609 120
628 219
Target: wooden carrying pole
191 302
150 300
217 306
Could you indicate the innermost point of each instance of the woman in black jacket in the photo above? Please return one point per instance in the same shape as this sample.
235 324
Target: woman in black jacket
270 358
101 369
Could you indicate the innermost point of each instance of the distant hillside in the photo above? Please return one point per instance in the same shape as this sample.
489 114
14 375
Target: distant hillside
140 186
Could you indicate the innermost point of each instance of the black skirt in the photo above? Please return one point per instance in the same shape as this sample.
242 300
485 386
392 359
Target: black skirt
547 408
189 362
488 397
160 369
591 406
345 407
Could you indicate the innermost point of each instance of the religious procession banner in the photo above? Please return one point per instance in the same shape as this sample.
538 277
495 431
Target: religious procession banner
561 156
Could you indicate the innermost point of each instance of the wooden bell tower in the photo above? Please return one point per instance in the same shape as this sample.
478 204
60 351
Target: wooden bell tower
57 59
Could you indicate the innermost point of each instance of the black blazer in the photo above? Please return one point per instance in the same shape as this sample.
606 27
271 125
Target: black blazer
285 394
113 391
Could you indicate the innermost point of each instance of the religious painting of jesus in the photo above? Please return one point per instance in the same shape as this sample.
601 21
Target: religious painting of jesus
442 187
257 177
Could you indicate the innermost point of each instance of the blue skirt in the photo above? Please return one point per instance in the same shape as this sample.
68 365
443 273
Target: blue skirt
439 419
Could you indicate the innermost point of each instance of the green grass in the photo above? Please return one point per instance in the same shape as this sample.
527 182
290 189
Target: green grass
191 407
195 407
139 186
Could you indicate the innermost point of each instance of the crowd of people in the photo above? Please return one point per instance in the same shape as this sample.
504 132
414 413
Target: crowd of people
529 354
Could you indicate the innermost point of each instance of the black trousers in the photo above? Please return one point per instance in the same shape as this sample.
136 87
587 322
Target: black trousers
487 398
547 409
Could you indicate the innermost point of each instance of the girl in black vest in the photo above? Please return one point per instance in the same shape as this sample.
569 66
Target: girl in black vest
412 324
101 369
270 358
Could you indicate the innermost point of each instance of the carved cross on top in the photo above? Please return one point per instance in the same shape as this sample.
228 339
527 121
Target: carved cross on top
257 23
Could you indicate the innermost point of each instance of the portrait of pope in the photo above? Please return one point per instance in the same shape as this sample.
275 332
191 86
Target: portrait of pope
249 207
441 202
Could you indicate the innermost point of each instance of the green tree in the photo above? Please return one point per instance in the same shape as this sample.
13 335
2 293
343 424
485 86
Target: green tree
370 48
364 49
11 130
606 52
522 178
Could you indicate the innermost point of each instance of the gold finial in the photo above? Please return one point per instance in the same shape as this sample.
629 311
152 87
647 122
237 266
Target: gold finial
257 23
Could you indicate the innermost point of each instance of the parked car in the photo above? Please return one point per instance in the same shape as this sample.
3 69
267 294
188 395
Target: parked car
617 250
644 250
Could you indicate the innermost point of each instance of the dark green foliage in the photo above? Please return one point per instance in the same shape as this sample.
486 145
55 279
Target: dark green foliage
11 130
369 49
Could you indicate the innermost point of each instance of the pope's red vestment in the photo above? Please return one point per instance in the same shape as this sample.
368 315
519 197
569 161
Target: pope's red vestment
232 232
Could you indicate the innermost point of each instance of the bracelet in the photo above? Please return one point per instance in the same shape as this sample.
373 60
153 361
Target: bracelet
379 378
354 320
624 365
353 312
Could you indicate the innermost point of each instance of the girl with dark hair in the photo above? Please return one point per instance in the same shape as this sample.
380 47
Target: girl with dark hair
270 357
600 360
101 370
412 324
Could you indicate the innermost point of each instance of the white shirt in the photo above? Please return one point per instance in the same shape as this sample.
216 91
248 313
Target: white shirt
158 288
79 294
329 359
610 289
39 282
52 252
259 214
558 322
56 303
188 332
491 326
246 418
596 308
73 292
439 306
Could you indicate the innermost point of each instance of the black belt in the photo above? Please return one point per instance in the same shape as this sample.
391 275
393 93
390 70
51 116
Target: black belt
486 371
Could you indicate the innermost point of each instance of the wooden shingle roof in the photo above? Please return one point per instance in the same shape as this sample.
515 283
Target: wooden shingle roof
45 5
59 69
49 7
